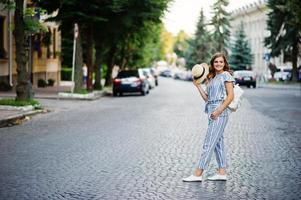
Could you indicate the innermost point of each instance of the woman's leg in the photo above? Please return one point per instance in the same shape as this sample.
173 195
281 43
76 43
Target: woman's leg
220 155
214 133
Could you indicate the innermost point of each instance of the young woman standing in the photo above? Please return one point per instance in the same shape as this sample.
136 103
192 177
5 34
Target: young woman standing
218 96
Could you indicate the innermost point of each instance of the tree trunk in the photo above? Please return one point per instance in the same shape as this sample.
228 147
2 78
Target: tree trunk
89 58
97 68
294 61
110 65
78 71
24 88
123 60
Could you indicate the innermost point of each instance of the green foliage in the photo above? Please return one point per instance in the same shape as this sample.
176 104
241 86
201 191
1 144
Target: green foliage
145 47
221 24
181 45
284 24
189 58
202 44
13 102
81 91
9 5
127 27
32 23
240 57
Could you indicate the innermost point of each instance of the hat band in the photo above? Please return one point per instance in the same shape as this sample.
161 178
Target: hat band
197 77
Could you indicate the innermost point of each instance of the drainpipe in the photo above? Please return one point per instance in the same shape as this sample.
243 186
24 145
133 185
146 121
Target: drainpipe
10 46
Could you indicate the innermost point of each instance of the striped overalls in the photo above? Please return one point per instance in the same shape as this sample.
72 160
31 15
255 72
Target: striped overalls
214 139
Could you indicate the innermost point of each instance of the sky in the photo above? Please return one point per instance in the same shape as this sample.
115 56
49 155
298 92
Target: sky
184 14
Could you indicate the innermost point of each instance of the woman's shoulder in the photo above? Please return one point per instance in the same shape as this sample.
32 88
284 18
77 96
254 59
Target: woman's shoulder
227 76
227 73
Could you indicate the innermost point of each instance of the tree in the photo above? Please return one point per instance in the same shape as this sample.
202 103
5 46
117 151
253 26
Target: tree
25 25
119 26
69 14
284 24
132 20
220 22
181 44
240 57
167 40
202 43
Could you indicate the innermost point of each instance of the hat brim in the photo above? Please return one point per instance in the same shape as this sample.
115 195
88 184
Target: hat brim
204 76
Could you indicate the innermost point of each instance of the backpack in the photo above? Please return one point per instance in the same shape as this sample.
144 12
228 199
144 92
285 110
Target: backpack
236 102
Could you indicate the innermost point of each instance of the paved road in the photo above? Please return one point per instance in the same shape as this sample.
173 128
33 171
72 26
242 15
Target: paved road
137 147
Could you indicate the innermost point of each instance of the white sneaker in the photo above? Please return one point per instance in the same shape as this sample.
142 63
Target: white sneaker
192 178
217 177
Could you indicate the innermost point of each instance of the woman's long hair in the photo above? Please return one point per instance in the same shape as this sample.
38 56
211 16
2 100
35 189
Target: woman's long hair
211 68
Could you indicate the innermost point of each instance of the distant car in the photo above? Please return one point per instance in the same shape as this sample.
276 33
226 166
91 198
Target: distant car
282 76
245 77
283 73
151 79
130 81
166 73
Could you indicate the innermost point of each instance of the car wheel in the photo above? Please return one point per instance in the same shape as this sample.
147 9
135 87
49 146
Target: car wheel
143 93
248 86
115 94
254 85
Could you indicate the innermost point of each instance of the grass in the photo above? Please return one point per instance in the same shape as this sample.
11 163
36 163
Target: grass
81 91
13 102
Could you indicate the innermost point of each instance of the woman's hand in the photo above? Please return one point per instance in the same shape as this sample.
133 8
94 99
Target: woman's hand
195 83
215 114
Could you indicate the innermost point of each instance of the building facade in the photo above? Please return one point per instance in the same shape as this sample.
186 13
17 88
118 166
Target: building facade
254 18
44 52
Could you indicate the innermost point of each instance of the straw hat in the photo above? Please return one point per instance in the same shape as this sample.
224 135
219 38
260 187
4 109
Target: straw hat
199 72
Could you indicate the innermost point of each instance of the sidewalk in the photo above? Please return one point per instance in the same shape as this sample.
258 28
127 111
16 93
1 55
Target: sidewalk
12 116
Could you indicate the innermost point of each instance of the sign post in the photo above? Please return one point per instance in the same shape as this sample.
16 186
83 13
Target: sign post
73 57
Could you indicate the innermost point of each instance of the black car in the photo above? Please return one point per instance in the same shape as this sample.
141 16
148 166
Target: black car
130 81
245 77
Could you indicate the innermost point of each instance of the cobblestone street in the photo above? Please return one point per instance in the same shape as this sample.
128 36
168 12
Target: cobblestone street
136 147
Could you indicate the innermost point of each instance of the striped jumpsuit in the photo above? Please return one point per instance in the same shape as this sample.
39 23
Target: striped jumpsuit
214 140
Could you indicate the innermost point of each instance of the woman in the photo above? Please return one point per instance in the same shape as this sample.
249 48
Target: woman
219 95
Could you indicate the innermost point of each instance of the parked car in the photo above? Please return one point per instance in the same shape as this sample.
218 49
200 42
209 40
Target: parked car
150 77
166 73
130 81
284 73
245 77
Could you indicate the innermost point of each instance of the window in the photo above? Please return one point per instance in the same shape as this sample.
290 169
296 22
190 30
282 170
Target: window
2 50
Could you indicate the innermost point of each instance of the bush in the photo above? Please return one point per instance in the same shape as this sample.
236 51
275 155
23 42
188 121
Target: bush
50 82
42 83
66 74
4 86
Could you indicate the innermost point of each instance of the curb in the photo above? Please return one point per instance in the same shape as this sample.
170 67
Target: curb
281 87
11 120
97 95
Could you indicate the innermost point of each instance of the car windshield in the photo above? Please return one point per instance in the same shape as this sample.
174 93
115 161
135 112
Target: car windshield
245 73
129 73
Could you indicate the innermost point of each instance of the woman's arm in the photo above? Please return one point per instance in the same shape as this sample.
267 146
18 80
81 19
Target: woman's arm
224 105
201 91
